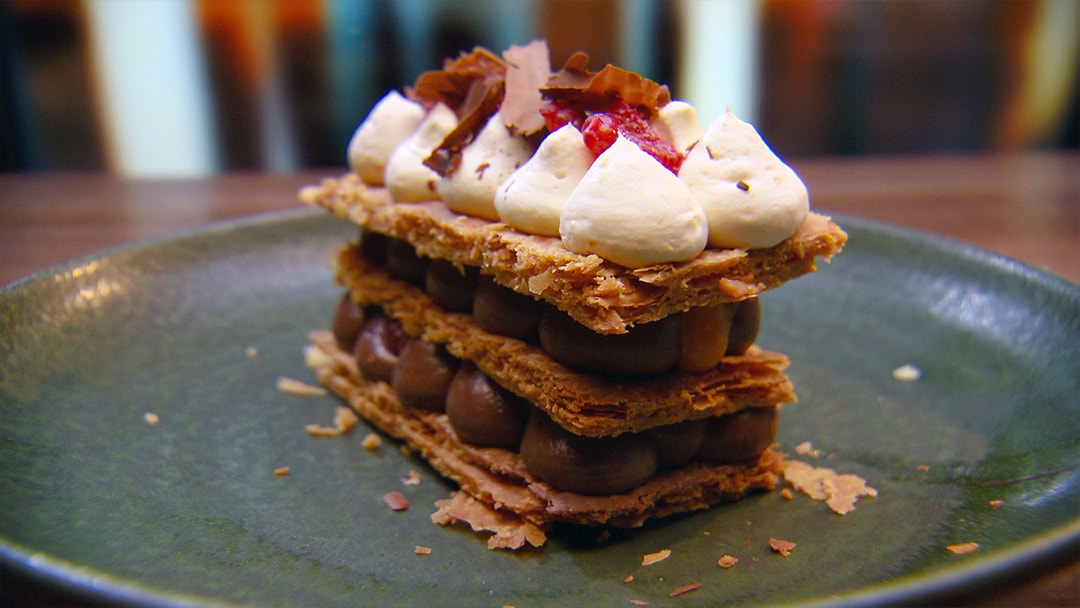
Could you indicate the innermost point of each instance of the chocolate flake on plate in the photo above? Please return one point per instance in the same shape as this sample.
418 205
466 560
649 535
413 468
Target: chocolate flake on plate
396 501
783 547
685 589
963 548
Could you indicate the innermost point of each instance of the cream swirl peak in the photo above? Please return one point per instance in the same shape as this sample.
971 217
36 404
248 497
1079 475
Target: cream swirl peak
532 199
467 153
752 199
391 121
631 210
406 176
485 164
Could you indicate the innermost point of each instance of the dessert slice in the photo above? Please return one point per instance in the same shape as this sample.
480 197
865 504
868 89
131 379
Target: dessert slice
553 295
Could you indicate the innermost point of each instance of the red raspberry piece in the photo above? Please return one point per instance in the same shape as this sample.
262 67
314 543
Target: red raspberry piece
601 130
557 114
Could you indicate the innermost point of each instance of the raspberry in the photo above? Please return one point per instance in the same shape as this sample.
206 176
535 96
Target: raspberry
557 114
601 129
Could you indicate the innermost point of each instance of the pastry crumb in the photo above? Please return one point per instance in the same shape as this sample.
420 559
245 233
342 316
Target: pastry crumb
685 589
997 502
963 548
639 602
315 358
509 531
652 558
839 492
413 479
292 386
281 471
422 550
783 547
786 494
151 418
907 373
251 352
727 561
318 430
371 442
629 578
344 421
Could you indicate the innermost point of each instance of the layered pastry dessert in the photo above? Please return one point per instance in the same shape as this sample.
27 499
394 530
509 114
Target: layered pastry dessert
553 297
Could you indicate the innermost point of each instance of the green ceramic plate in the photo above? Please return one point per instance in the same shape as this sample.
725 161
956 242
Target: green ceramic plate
95 500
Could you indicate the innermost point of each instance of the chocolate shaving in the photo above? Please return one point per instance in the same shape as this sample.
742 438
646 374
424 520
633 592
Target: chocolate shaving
472 85
573 77
528 69
396 501
452 84
783 547
596 91
484 100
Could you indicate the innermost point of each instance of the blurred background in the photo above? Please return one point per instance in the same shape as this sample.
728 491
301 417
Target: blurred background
175 88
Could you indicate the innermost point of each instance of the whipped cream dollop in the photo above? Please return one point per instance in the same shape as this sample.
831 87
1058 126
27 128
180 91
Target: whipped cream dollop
407 178
533 197
390 121
677 123
751 198
486 163
631 210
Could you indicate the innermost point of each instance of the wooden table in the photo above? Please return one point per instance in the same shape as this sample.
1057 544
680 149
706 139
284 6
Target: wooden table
1023 206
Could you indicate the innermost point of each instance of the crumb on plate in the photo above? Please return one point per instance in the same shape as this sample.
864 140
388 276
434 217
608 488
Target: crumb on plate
963 548
840 492
344 421
396 501
314 358
783 547
371 442
652 558
292 386
907 373
685 589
